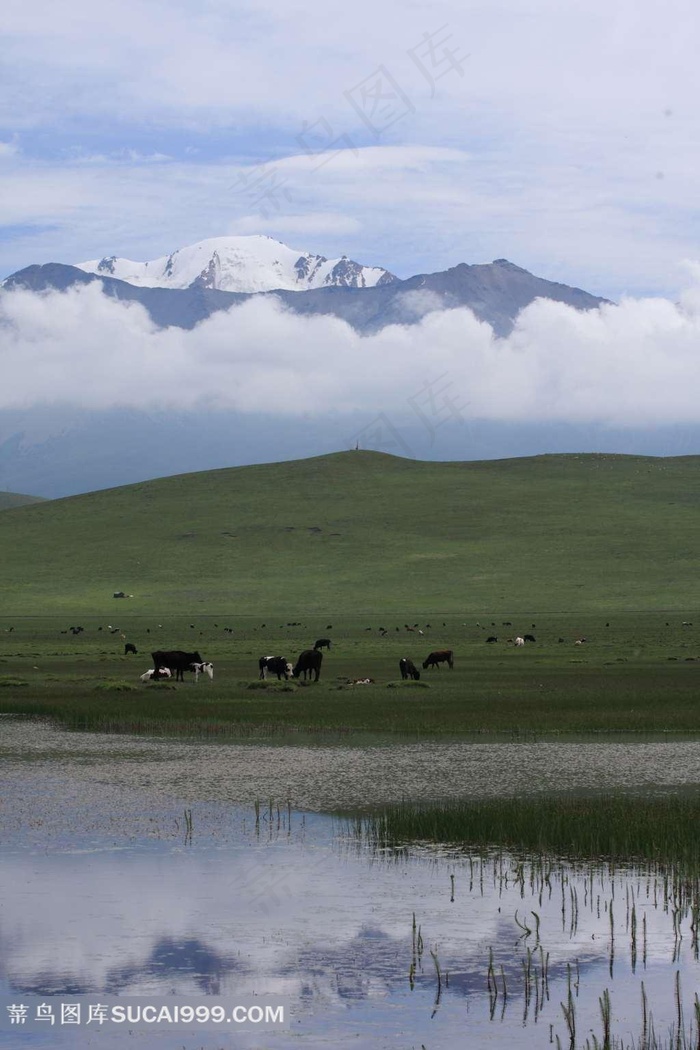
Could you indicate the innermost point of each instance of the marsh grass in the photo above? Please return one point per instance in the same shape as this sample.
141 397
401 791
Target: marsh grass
616 829
678 1037
115 687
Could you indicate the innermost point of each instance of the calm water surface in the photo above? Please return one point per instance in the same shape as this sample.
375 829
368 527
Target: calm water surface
102 890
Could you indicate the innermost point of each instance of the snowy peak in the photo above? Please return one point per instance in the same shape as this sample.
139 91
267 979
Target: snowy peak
241 264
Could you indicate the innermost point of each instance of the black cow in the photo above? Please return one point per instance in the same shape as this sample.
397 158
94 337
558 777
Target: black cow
322 643
408 669
276 664
440 656
309 662
491 639
129 647
529 638
177 661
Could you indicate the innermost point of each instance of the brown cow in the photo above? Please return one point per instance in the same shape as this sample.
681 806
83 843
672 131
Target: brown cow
440 656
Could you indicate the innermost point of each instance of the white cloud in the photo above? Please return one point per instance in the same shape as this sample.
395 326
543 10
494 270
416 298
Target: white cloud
306 225
632 364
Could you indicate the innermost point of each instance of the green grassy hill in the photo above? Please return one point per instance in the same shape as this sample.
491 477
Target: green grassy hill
16 499
360 531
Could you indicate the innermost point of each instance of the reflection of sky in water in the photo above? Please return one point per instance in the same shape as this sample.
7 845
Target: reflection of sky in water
101 892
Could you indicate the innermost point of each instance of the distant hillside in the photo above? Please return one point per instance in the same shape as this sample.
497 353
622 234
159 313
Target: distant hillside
16 499
362 531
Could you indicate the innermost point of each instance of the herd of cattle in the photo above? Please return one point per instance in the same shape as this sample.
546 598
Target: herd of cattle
174 663
167 664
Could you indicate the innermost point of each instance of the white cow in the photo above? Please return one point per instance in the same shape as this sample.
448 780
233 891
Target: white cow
163 672
204 668
519 641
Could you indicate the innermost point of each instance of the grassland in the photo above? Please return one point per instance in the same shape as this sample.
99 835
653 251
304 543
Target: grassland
636 673
8 500
366 534
255 560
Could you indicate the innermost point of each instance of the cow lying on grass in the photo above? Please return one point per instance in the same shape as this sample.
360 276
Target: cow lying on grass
163 672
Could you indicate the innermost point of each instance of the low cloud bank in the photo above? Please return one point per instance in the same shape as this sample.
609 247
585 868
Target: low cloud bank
636 363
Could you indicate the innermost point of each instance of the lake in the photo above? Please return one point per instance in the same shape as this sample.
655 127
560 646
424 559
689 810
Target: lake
141 867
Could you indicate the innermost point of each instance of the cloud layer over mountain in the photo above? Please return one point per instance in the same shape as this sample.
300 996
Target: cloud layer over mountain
632 364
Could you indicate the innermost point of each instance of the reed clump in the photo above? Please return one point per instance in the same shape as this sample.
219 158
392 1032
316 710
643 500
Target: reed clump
619 828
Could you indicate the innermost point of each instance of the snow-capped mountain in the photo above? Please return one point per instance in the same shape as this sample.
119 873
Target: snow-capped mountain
495 292
241 264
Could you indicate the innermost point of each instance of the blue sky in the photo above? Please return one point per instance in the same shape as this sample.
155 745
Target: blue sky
562 137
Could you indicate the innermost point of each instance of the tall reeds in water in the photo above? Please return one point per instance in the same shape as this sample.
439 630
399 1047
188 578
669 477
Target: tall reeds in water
616 828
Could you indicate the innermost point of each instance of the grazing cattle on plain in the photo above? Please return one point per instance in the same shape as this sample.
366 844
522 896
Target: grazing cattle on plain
519 641
130 648
408 669
529 638
206 668
277 665
322 643
440 656
309 662
491 639
177 661
163 672
580 641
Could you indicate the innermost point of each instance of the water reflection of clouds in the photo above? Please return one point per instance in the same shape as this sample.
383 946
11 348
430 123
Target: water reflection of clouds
152 920
101 892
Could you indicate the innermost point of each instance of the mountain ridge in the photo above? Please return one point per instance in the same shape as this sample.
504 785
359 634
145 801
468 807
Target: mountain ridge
495 292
